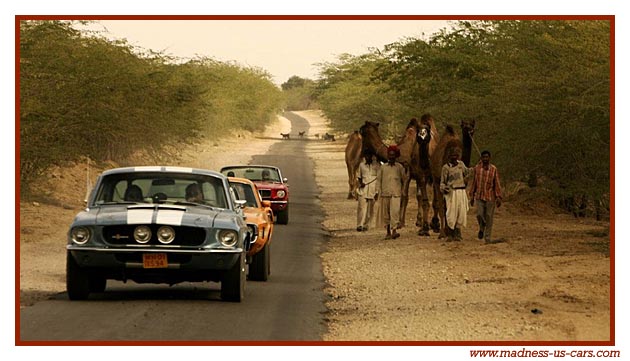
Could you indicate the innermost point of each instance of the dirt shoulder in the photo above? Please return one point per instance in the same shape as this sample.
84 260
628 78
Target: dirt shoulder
409 289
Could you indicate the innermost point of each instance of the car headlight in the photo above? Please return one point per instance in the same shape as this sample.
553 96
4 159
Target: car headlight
166 234
80 235
228 237
142 234
253 229
281 194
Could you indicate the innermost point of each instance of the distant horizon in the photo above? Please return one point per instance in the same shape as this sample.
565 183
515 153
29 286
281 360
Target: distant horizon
282 48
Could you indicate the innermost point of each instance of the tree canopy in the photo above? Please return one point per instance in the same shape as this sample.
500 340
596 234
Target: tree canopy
84 95
539 90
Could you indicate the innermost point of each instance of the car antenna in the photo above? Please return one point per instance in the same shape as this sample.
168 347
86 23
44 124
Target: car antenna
88 184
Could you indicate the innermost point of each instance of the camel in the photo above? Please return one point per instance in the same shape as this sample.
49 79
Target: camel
353 159
427 140
372 140
408 147
447 141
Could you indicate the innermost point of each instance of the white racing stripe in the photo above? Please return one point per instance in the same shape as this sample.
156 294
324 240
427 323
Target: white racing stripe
170 217
147 169
139 216
178 169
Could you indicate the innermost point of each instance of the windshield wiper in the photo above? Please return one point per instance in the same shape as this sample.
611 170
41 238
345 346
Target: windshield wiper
119 202
186 203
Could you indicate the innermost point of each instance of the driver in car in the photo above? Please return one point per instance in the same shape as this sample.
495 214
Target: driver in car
193 193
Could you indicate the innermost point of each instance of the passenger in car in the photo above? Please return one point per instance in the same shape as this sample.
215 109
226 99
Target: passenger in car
193 193
133 194
266 176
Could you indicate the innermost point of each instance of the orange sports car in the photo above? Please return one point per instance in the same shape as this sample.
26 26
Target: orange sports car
259 219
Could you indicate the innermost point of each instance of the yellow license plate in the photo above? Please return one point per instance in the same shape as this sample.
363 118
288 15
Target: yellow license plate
154 260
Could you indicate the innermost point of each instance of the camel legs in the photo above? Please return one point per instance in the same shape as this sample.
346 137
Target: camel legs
352 181
404 200
439 210
435 220
422 196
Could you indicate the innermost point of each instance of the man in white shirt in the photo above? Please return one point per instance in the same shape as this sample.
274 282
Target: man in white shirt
391 180
367 176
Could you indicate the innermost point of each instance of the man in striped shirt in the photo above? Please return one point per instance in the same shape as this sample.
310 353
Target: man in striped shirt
486 190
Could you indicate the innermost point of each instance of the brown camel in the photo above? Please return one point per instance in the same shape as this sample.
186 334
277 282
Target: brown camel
448 140
353 159
427 140
408 147
372 140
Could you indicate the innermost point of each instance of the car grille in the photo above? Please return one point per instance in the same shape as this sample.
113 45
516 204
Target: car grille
137 258
265 193
184 236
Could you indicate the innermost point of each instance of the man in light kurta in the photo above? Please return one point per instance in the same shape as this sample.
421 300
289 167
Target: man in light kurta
368 191
391 183
453 186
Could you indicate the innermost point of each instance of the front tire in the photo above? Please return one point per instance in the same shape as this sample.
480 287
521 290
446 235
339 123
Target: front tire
233 281
97 284
283 216
77 280
259 268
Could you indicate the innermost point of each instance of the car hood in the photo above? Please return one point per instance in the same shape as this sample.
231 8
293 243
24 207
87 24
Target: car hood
251 212
159 214
270 185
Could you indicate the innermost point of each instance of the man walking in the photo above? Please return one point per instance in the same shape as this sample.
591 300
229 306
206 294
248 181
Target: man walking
390 181
453 186
368 190
486 190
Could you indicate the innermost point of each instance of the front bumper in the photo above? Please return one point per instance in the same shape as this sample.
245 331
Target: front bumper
279 205
180 259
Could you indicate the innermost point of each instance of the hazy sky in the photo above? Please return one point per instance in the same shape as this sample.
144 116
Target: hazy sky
282 47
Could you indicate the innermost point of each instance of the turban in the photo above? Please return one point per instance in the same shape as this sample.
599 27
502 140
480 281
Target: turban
393 148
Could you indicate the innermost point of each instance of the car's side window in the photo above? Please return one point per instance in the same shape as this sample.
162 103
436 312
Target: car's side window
214 193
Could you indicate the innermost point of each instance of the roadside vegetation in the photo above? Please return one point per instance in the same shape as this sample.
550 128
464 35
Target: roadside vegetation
539 91
82 95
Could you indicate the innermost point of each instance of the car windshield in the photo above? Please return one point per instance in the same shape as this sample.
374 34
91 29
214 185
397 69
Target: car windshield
253 173
245 192
161 187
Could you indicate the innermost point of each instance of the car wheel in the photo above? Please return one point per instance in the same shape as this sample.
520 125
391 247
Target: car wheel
233 281
283 217
259 268
97 284
77 280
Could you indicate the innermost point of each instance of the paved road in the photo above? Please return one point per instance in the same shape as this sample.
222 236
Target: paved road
288 307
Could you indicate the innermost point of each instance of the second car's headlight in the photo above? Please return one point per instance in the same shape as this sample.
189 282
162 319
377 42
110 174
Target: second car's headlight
228 237
166 234
80 235
142 234
253 229
281 194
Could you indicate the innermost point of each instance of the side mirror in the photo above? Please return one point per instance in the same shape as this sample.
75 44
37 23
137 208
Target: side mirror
284 180
240 203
